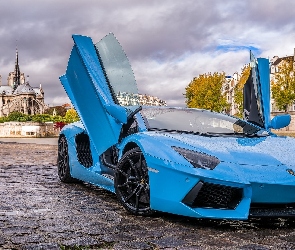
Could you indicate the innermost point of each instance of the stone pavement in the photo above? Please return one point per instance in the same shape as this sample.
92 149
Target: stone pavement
37 211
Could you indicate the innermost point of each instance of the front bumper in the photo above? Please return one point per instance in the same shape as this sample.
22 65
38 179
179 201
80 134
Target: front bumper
204 194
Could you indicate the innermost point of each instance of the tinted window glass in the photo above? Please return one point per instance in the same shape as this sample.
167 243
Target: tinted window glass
118 71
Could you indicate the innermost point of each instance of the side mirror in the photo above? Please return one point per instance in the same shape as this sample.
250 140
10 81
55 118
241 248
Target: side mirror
280 121
117 111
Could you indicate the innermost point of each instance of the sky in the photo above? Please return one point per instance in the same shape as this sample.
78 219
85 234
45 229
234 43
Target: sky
168 42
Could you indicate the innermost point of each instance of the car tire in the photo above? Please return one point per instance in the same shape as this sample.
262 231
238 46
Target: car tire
63 166
132 183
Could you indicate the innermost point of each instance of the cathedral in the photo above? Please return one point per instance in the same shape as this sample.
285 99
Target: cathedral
18 95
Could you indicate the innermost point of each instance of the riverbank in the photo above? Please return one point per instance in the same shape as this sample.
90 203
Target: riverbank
43 140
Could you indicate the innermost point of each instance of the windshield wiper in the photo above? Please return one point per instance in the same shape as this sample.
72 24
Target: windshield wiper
130 120
221 134
133 113
207 134
174 131
259 133
183 132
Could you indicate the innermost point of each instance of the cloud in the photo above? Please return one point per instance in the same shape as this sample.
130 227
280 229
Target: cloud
168 42
169 79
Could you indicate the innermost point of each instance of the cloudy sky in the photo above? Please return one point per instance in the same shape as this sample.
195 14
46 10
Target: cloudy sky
168 42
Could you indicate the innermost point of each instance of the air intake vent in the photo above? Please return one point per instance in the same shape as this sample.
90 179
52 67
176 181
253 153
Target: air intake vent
209 195
83 150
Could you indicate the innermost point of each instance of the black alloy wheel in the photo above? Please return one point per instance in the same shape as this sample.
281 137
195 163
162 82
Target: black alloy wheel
132 183
63 166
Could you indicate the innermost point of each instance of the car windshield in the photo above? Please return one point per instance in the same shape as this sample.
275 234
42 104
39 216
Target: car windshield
196 121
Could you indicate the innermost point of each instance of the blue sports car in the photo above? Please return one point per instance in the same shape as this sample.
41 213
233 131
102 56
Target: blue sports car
183 161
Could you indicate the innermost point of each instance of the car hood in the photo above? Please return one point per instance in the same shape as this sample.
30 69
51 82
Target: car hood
270 150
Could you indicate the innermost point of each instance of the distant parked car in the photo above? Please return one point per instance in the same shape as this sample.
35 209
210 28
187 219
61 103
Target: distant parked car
183 161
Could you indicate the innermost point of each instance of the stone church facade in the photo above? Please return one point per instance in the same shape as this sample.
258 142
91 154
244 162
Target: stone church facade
19 95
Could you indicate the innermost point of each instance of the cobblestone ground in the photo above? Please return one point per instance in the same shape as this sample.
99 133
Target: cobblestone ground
37 211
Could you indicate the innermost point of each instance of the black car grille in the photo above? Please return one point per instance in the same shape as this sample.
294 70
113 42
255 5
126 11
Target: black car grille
272 210
83 150
209 195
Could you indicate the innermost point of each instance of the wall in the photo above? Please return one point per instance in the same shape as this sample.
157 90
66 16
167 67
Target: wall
28 129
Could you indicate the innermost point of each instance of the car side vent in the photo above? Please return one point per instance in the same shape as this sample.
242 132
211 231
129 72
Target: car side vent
209 195
83 150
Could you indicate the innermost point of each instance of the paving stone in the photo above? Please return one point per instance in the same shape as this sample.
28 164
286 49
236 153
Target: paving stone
27 239
82 241
40 246
37 211
168 242
132 245
2 240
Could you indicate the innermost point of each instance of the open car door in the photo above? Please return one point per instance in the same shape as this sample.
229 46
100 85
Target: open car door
95 78
256 95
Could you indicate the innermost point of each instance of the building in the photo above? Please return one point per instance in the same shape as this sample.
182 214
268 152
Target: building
151 100
19 95
127 99
228 89
28 129
276 61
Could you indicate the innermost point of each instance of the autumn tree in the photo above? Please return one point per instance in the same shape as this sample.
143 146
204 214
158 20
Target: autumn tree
283 85
238 90
71 116
205 92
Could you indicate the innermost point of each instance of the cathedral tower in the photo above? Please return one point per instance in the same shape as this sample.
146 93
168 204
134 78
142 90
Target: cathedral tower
16 78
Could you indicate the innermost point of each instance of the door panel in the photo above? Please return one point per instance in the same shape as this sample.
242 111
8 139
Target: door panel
86 85
257 93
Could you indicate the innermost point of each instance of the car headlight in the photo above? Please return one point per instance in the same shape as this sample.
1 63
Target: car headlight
197 159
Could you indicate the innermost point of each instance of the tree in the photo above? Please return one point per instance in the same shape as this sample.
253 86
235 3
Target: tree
41 118
283 85
238 89
205 92
3 119
18 116
57 118
71 116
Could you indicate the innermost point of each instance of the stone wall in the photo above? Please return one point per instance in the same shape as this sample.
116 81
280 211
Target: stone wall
28 129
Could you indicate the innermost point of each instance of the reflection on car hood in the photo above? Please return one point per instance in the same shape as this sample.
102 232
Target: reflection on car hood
268 150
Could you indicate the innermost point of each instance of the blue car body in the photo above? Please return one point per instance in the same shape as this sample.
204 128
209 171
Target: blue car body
196 173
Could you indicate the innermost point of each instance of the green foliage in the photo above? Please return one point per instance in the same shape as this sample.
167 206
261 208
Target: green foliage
3 119
41 118
283 85
238 90
71 116
57 118
205 92
18 117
